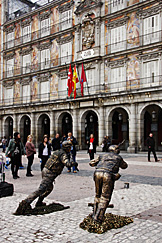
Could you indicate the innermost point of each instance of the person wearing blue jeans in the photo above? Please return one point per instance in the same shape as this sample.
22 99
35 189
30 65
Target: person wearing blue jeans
73 150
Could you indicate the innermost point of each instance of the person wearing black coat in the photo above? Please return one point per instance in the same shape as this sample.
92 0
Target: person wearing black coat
151 147
91 146
56 142
44 151
73 150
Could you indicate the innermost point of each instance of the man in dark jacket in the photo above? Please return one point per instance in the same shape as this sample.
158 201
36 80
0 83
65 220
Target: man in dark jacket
56 142
15 151
53 167
105 175
151 147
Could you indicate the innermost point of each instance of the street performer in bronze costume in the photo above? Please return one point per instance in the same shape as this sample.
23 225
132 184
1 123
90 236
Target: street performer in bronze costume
53 167
105 175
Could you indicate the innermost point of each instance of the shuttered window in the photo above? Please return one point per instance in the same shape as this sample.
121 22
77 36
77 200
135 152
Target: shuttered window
9 96
27 33
66 53
45 27
117 81
66 20
26 63
10 40
26 93
117 5
10 67
45 59
151 72
151 29
118 38
44 90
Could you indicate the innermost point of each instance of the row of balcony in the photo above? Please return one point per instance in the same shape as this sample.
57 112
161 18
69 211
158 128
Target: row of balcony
107 89
31 68
37 34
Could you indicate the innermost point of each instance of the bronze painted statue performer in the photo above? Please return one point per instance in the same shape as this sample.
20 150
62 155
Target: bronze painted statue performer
105 175
53 167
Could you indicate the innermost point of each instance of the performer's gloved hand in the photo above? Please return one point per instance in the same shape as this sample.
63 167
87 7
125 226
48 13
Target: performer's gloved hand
117 176
74 164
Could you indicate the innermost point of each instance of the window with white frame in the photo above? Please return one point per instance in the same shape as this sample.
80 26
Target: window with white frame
118 38
10 39
26 93
62 87
45 58
45 27
117 81
26 33
8 95
151 72
117 5
26 63
90 75
66 53
45 90
151 28
10 67
66 20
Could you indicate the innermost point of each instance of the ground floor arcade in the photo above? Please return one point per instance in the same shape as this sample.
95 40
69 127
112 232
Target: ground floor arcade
132 122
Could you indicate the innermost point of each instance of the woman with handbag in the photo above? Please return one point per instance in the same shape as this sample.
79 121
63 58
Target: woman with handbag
30 151
15 151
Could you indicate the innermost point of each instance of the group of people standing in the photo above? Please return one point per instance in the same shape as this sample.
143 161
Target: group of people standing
16 149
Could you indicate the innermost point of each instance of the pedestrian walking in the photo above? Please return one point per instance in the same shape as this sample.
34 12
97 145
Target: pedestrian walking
4 144
74 142
91 146
30 151
15 151
51 170
151 147
56 142
108 143
104 144
44 151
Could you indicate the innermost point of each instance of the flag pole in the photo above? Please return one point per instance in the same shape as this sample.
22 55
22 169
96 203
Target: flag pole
67 77
86 77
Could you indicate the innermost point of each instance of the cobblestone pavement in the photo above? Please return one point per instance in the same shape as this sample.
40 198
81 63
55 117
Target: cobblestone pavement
142 201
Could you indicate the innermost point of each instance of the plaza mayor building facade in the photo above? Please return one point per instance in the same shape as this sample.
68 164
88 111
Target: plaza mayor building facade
119 43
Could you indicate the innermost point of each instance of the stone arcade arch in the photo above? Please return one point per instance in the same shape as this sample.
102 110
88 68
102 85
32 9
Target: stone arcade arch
25 127
151 121
65 123
89 124
43 126
8 127
118 126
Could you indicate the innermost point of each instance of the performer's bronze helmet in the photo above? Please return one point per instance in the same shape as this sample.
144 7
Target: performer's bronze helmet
114 148
66 145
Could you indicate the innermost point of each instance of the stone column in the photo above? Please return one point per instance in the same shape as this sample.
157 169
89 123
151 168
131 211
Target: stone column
132 130
52 125
32 128
101 127
75 124
15 123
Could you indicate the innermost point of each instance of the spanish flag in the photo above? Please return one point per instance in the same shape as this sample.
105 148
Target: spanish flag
74 80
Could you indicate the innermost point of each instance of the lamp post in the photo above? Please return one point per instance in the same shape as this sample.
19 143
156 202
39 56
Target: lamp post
120 116
153 114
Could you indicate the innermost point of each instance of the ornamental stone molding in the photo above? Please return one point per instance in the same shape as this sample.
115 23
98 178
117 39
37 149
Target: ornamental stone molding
44 15
8 84
87 5
26 81
88 66
117 63
88 30
150 11
44 46
9 55
62 74
9 29
117 23
26 51
26 22
65 7
65 39
77 28
150 56
44 77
